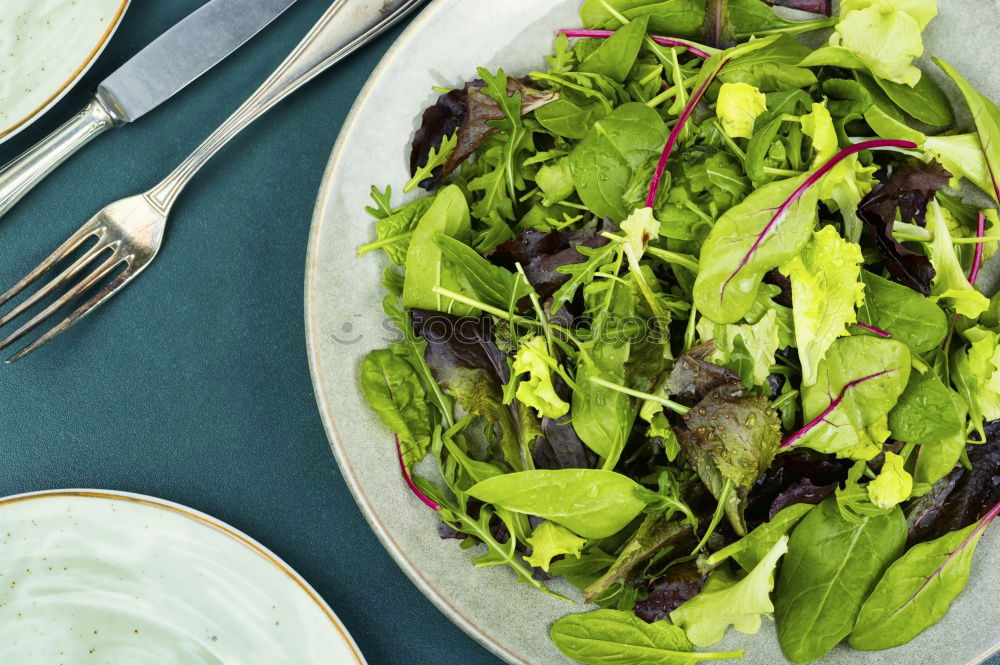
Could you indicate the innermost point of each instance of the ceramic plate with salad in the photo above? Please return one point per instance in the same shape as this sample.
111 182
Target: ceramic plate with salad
684 346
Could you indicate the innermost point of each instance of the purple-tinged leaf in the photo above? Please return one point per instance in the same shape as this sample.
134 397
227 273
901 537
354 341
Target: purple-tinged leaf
792 439
977 259
873 329
801 491
560 447
691 47
469 111
409 480
961 497
661 167
824 7
694 376
909 188
666 593
541 253
787 475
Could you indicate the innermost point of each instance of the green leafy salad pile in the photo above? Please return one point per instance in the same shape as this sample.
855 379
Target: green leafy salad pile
699 326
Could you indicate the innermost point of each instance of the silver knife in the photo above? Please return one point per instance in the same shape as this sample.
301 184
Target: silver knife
174 59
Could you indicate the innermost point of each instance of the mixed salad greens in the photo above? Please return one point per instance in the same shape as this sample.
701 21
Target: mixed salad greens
696 326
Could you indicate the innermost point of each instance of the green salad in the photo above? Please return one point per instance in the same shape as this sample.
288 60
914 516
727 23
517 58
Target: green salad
694 319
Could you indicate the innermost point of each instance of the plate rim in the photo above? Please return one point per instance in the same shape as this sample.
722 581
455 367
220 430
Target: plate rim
206 520
312 334
18 126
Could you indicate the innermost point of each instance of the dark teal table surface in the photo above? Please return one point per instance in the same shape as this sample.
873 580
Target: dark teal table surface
193 384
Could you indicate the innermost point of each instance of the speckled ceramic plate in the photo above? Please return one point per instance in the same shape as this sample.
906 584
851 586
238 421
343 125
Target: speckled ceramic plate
45 47
104 578
344 321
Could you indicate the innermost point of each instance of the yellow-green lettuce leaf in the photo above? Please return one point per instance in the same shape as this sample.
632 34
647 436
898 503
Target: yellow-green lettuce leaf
548 541
738 107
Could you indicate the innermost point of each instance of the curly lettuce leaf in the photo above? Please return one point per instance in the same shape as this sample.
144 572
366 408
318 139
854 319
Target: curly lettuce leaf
761 340
885 35
550 540
738 106
826 289
727 601
538 391
893 485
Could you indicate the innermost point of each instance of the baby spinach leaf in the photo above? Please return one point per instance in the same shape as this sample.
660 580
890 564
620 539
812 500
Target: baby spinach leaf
859 382
727 601
751 549
612 637
831 566
926 411
772 68
550 540
616 55
425 270
593 503
394 390
918 588
903 313
681 18
825 291
746 242
490 284
603 417
606 160
569 120
925 101
936 459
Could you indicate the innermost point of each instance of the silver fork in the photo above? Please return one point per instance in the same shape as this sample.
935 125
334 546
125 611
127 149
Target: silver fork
129 232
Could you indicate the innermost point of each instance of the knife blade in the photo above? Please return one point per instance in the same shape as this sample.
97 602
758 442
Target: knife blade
183 53
160 70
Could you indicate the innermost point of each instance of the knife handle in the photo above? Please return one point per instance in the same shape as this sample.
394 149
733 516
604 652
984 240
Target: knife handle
19 176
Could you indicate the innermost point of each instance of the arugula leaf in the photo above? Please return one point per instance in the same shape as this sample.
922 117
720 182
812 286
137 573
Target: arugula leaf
746 242
611 637
606 160
394 390
654 535
616 55
489 283
395 229
726 601
903 313
918 588
550 540
592 503
825 291
831 566
858 382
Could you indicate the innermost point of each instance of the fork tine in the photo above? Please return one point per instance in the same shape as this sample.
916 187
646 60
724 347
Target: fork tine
100 273
54 284
99 299
74 241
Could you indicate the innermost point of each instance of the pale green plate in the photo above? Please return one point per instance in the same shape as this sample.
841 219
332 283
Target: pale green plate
344 320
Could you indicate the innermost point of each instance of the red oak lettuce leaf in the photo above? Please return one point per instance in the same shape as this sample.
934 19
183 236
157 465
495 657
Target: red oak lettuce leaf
908 187
801 491
693 377
540 253
779 483
469 111
669 591
963 496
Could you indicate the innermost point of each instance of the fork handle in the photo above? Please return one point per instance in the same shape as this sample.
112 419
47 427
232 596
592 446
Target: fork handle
343 28
20 175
